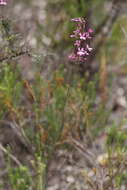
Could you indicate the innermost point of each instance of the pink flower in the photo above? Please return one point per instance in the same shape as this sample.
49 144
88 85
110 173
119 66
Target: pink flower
3 2
77 43
76 31
85 35
76 19
89 48
72 36
81 44
88 35
72 57
82 36
81 51
86 53
90 30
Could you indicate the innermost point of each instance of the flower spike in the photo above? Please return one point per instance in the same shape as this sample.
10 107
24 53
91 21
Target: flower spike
81 45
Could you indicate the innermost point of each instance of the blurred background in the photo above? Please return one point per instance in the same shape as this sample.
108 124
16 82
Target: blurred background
47 23
45 28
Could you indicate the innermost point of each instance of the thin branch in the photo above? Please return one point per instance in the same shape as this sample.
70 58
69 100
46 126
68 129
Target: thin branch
21 137
100 39
124 31
10 155
14 55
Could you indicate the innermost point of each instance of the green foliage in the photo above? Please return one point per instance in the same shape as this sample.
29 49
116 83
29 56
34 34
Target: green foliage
54 105
116 138
19 178
9 83
50 111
